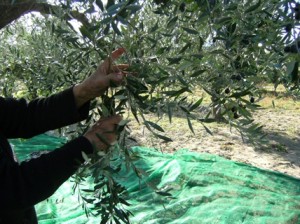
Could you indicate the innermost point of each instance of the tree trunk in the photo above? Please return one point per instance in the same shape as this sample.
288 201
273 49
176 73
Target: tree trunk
10 12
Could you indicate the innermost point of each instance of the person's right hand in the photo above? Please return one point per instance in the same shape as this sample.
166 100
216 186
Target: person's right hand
103 133
106 75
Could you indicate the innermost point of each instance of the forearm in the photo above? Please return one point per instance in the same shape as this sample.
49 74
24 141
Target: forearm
40 115
35 180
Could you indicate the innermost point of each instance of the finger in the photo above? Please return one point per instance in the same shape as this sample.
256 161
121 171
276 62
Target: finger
120 67
107 64
114 119
117 53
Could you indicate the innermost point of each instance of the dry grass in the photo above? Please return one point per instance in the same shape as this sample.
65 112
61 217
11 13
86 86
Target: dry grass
280 123
281 101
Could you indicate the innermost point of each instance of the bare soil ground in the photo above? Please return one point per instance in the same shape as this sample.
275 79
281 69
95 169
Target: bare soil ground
278 151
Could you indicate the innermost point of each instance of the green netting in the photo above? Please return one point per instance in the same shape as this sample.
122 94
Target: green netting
207 189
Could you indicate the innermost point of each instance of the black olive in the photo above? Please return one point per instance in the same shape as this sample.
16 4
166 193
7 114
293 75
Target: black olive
238 78
293 49
287 49
227 90
245 41
288 27
182 7
235 115
252 99
297 7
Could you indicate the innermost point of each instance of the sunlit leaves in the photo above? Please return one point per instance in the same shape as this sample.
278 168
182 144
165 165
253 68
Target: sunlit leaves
133 8
190 31
174 60
175 52
154 28
253 7
223 20
196 105
113 9
164 138
154 125
172 22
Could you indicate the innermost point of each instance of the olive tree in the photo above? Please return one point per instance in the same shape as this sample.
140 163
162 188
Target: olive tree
174 48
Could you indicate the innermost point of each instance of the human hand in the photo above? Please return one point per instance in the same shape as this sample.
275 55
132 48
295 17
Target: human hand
105 75
103 133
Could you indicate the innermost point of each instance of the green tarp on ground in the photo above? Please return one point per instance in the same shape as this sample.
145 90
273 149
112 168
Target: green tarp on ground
207 189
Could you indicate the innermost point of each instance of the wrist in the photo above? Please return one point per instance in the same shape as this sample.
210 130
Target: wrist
81 95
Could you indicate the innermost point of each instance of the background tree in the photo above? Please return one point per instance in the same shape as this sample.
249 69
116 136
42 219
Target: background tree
175 48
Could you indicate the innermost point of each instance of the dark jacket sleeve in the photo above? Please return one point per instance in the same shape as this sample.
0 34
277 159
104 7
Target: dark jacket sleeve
19 119
23 185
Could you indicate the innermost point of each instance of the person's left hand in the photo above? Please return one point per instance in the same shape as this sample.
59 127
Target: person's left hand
106 75
103 133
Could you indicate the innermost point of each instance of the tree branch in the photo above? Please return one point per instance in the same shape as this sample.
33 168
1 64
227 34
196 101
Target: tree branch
10 13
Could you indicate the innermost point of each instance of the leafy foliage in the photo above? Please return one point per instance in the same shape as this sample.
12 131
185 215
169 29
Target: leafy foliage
174 48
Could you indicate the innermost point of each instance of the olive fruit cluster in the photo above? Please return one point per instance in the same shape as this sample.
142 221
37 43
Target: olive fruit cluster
236 77
234 109
235 113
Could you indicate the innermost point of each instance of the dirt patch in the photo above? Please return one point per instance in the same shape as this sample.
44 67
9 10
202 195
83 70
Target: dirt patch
279 151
